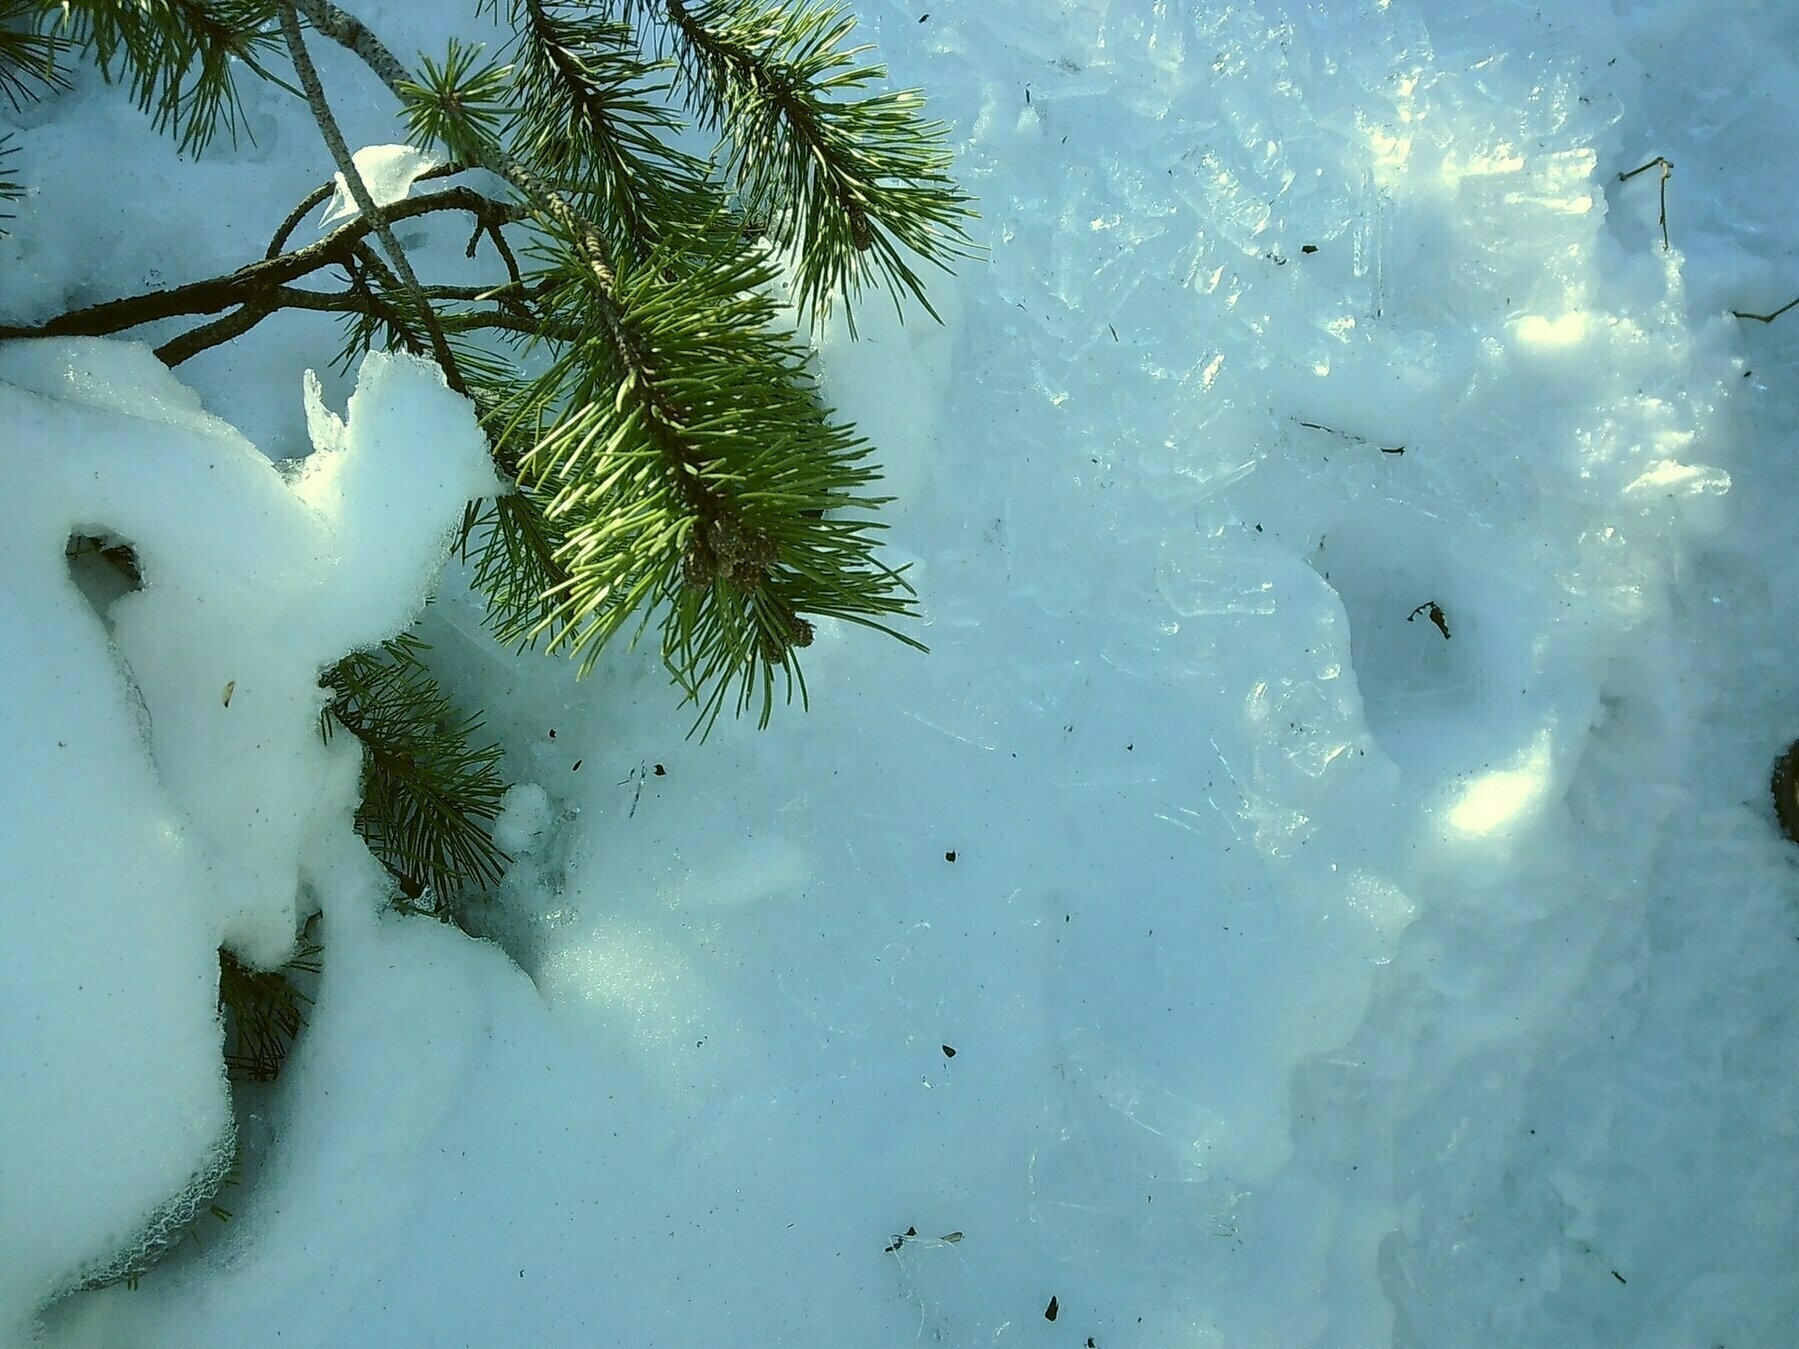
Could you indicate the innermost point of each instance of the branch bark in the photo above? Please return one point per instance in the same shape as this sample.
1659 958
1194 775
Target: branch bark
365 202
262 286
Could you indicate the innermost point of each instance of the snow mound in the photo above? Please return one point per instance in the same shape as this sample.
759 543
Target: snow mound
161 770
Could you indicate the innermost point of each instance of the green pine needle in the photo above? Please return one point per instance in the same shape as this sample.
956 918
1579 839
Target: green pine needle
429 793
28 55
692 472
264 1012
460 102
177 56
858 188
593 116
11 189
514 549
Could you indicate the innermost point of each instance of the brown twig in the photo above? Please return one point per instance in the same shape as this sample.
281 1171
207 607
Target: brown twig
359 191
1769 317
324 190
512 316
260 286
1667 167
295 216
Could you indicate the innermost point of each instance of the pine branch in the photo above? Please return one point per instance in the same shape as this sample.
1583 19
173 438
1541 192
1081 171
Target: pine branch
11 189
855 187
27 71
264 1012
324 191
591 113
428 792
674 461
177 56
27 56
515 563
359 191
687 461
260 286
692 467
349 32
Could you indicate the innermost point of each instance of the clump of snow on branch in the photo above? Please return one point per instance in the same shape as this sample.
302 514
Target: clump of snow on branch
388 171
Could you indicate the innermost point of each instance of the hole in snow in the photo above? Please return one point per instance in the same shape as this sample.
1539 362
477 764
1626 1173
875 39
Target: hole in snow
1429 689
104 567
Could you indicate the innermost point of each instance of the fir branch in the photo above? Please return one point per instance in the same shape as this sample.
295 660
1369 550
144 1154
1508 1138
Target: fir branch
428 792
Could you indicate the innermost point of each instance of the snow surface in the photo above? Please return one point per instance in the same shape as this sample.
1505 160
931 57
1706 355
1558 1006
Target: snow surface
1317 972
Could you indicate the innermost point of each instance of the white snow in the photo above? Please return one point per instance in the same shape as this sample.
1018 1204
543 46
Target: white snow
165 774
1321 967
524 815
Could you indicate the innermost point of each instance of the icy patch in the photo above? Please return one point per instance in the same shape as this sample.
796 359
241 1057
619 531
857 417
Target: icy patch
1495 467
1388 452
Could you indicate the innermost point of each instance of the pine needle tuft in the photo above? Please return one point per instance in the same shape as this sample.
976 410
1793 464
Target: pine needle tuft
429 792
264 1012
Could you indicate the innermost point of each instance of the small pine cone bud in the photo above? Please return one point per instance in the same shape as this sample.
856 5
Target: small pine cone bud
698 566
773 649
801 631
755 560
761 550
859 230
726 536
